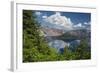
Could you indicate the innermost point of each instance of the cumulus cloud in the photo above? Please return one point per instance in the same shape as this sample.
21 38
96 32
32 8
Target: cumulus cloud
38 13
87 23
59 20
44 17
78 25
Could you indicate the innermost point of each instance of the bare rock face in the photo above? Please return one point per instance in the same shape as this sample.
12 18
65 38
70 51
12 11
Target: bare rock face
52 32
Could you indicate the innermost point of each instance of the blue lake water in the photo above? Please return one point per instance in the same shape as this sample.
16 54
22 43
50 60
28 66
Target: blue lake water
60 44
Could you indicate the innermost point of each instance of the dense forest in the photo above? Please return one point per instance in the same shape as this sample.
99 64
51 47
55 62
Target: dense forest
36 48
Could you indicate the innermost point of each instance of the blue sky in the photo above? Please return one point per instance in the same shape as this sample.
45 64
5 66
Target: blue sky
78 17
64 18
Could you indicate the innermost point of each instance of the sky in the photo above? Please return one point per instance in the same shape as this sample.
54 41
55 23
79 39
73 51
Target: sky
64 19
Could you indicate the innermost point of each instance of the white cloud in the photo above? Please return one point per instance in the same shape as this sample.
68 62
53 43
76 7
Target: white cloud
87 23
44 17
78 25
38 13
58 13
59 20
